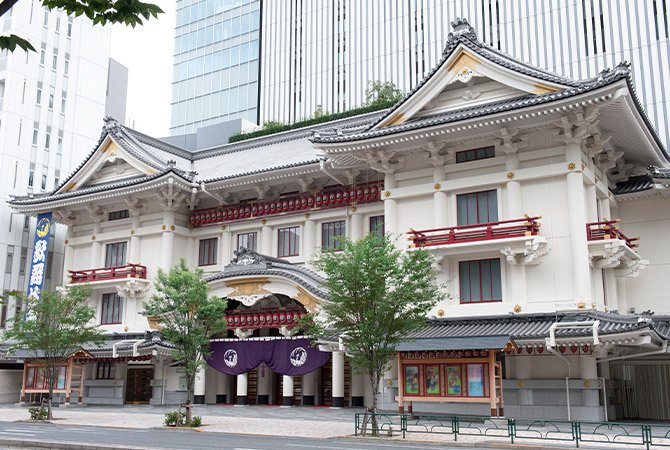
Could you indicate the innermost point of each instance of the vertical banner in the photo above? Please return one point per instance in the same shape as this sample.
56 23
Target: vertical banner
38 262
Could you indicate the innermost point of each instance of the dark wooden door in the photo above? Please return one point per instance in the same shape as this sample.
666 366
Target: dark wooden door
138 387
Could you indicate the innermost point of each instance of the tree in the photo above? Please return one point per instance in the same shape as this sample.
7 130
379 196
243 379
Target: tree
129 12
378 296
56 326
189 318
381 93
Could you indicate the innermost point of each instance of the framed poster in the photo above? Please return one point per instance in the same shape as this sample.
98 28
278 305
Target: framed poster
30 377
61 378
476 380
432 376
412 380
454 381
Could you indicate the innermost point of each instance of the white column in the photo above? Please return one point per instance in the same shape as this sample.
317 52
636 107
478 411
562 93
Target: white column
440 202
96 246
266 240
605 212
242 388
308 388
357 228
523 368
338 379
309 240
134 251
167 243
588 369
222 388
157 384
287 390
226 247
591 203
69 254
514 210
199 387
263 385
581 270
390 206
357 389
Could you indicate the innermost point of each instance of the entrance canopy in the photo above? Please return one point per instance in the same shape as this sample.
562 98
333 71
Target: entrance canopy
293 357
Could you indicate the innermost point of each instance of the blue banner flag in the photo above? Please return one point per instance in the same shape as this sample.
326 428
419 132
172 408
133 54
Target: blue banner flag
38 264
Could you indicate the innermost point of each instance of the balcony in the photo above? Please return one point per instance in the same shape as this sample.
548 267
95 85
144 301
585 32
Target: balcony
609 248
264 318
108 273
517 239
339 197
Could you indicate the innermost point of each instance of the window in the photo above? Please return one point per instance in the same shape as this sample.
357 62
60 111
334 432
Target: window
9 259
35 378
43 54
446 380
38 100
116 215
111 309
247 240
331 233
479 281
475 154
115 254
36 131
377 225
57 24
62 102
47 137
54 59
31 175
23 260
104 371
289 242
477 207
3 311
46 17
207 252
66 64
69 27
44 181
51 102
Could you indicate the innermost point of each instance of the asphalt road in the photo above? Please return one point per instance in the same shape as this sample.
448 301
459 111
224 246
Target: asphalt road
185 439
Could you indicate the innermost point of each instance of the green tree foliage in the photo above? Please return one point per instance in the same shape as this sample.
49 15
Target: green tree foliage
378 296
382 92
129 12
189 318
57 325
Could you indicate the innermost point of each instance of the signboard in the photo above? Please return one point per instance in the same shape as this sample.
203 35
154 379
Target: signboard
38 262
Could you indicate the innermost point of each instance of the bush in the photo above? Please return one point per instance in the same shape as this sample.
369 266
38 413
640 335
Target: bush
37 413
174 419
196 421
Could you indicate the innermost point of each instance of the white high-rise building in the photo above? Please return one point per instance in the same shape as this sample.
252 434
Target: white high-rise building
51 104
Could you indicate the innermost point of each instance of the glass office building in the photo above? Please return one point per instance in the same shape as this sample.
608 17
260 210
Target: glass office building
216 63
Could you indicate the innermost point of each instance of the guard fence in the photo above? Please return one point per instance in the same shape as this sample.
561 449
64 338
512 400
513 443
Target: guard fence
617 434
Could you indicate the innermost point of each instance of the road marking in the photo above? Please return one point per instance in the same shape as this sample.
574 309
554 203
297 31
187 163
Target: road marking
14 433
315 446
24 430
422 447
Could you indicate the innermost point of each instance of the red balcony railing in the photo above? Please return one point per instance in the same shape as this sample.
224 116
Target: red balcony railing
108 273
504 229
328 198
264 318
607 229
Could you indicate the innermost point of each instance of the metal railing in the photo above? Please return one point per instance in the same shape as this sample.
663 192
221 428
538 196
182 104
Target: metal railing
618 434
504 229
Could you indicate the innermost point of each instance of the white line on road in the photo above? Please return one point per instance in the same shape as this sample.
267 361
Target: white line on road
23 430
316 446
392 445
14 433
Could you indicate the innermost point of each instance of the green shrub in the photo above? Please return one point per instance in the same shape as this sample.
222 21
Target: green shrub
37 413
196 421
174 419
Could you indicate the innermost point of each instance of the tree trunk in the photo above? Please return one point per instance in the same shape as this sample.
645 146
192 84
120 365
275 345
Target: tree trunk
189 395
51 396
374 380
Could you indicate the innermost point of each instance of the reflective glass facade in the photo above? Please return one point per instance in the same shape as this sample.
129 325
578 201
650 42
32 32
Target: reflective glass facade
215 63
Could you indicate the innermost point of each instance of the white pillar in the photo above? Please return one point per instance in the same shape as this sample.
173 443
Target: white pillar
588 369
308 388
242 388
523 368
134 251
157 384
514 210
226 247
338 379
263 385
167 240
287 390
581 270
96 247
199 386
357 390
605 211
591 203
440 201
357 229
221 387
69 254
266 240
309 240
390 206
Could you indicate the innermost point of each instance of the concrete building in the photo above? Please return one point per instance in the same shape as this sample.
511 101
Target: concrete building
516 179
117 91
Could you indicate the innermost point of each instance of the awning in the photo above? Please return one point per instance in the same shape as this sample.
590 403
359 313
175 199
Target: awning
496 342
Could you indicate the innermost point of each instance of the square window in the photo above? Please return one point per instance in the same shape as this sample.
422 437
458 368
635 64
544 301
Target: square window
331 235
477 207
115 254
377 225
480 281
247 240
207 252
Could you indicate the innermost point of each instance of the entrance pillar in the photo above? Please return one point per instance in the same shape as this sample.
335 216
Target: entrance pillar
588 368
199 387
157 383
308 388
357 390
338 379
287 390
522 366
221 387
264 378
242 386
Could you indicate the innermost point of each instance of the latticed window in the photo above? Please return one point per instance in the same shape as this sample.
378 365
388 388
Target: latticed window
247 240
377 225
116 215
111 309
207 252
331 235
475 154
289 242
480 281
477 207
115 254
104 371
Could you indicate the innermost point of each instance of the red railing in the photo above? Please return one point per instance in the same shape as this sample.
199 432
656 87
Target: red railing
264 318
108 273
607 229
504 229
328 198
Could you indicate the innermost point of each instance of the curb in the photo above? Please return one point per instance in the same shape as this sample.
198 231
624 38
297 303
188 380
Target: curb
67 445
479 444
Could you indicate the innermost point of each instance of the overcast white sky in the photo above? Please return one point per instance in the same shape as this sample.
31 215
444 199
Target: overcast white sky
147 53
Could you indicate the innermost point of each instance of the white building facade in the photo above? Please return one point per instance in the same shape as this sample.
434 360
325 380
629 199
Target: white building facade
526 186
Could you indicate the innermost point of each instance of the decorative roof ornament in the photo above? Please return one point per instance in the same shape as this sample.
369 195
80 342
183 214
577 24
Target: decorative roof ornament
623 68
111 125
462 27
171 163
247 257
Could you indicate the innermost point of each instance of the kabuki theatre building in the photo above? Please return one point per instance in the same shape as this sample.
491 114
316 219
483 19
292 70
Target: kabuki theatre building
545 201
